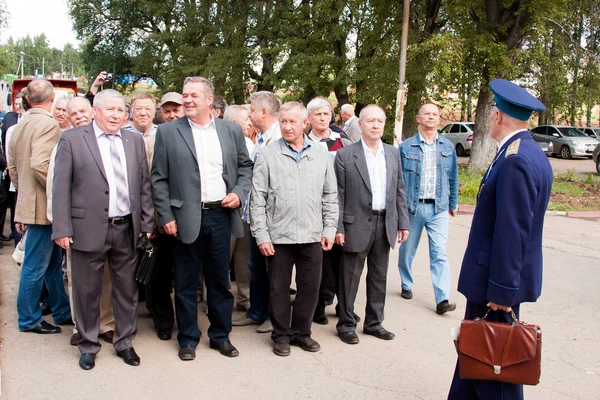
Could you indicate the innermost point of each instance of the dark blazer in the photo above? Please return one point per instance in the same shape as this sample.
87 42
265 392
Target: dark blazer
503 260
354 196
80 189
176 177
10 119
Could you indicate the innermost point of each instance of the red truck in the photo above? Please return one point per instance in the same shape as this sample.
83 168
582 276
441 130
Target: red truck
62 87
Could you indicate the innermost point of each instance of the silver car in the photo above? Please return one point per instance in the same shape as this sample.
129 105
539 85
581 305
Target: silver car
591 132
567 141
461 135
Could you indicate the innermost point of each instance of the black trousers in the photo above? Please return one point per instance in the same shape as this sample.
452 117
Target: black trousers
377 255
307 258
158 289
329 279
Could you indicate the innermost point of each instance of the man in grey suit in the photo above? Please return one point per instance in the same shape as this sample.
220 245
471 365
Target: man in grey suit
102 203
351 127
201 172
373 216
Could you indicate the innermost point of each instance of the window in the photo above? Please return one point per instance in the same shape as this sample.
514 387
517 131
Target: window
455 128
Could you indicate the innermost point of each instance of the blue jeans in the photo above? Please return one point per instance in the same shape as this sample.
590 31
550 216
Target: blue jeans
259 283
42 262
436 225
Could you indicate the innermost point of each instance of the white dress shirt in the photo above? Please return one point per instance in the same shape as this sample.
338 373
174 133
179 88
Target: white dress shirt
273 131
210 161
104 145
377 175
9 133
507 138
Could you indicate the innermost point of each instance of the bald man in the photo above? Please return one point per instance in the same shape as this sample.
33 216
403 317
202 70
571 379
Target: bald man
79 111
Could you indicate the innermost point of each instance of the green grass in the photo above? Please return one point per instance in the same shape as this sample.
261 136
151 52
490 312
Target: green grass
567 188
468 186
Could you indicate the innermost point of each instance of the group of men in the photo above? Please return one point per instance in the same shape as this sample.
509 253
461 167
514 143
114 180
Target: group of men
302 196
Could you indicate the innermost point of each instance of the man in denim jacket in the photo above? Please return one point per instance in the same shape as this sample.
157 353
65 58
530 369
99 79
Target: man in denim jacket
431 178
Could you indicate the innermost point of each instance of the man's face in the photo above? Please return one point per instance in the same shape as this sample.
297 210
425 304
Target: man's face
243 118
19 105
345 116
292 125
171 111
257 116
196 103
494 119
428 117
79 113
60 113
110 115
320 118
142 113
372 123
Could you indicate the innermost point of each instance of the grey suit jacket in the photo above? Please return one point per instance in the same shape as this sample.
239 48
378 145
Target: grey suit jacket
354 195
80 189
176 175
353 130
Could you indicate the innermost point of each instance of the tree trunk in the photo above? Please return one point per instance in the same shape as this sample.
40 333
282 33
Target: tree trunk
483 147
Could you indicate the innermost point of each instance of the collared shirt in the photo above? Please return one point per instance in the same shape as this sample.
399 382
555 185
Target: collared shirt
348 122
377 175
429 169
132 127
327 142
298 154
507 138
263 137
104 145
210 161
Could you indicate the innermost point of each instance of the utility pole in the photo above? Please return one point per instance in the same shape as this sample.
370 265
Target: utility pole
401 95
43 66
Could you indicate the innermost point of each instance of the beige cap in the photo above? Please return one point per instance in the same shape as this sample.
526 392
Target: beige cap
171 97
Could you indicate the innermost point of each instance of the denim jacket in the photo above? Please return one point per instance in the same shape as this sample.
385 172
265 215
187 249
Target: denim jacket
446 189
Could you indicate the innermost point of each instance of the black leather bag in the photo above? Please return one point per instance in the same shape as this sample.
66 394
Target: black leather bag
146 259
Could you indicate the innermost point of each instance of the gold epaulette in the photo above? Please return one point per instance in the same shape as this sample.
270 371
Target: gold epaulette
513 148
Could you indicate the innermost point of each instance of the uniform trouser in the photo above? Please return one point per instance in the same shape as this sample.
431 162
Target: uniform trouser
377 255
107 317
307 258
87 271
329 279
158 289
239 252
469 389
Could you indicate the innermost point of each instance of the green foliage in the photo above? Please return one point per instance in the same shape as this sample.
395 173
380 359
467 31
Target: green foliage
590 179
567 188
570 175
468 186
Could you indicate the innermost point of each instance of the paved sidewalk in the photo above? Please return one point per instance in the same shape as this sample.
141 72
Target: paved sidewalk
417 364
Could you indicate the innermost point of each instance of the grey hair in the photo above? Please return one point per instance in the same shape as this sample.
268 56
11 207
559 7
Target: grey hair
39 91
207 85
294 105
513 122
99 98
267 100
233 111
360 116
61 98
317 103
82 100
348 109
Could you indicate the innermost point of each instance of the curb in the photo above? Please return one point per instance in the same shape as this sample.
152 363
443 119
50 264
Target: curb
470 209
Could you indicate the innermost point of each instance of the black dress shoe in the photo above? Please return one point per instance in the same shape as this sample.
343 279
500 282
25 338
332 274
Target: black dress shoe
349 337
67 321
129 356
45 309
164 334
225 348
75 339
4 238
107 336
406 294
307 344
381 333
187 353
282 349
87 361
444 307
45 328
320 319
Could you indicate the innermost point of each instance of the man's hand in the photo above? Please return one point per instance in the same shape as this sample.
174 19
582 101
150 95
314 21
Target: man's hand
340 239
267 249
453 212
64 242
100 79
171 228
402 236
21 228
326 243
231 201
497 307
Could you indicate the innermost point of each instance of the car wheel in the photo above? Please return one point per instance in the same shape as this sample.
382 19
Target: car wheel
460 150
598 164
565 152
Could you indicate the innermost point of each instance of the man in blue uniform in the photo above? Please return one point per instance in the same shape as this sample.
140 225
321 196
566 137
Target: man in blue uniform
502 266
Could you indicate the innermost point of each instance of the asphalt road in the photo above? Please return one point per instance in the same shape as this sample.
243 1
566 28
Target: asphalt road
580 166
417 364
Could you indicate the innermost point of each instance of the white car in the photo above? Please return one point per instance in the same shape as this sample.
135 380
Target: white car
461 135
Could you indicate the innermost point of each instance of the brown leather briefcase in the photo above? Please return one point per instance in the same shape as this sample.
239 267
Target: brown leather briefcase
498 351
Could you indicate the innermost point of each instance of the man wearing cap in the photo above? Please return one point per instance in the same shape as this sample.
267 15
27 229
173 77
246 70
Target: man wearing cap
502 266
171 106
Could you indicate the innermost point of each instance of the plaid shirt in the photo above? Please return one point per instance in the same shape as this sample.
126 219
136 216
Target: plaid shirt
429 171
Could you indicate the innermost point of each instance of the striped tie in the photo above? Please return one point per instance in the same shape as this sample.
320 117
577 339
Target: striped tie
120 182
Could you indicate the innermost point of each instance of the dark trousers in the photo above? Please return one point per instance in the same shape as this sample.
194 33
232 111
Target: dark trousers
4 202
259 283
377 255
12 203
469 389
307 258
158 289
210 249
86 271
329 278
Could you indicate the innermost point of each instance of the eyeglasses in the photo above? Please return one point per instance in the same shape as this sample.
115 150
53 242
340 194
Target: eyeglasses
492 104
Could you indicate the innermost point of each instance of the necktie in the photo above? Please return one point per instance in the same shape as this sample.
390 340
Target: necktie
120 182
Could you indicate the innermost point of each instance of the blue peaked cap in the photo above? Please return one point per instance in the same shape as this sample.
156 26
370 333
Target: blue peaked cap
513 100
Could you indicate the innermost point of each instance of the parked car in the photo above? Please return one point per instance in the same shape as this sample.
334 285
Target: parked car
596 158
461 135
591 132
567 141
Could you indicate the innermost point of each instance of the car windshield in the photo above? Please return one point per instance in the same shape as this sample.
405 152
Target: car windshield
571 132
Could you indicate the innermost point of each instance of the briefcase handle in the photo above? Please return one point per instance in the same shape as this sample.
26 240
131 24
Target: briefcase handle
512 314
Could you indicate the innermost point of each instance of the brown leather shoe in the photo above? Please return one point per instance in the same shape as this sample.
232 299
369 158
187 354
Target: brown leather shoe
75 339
307 344
107 336
444 307
282 349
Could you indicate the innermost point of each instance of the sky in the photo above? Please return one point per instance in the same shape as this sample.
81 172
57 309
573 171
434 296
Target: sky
34 17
